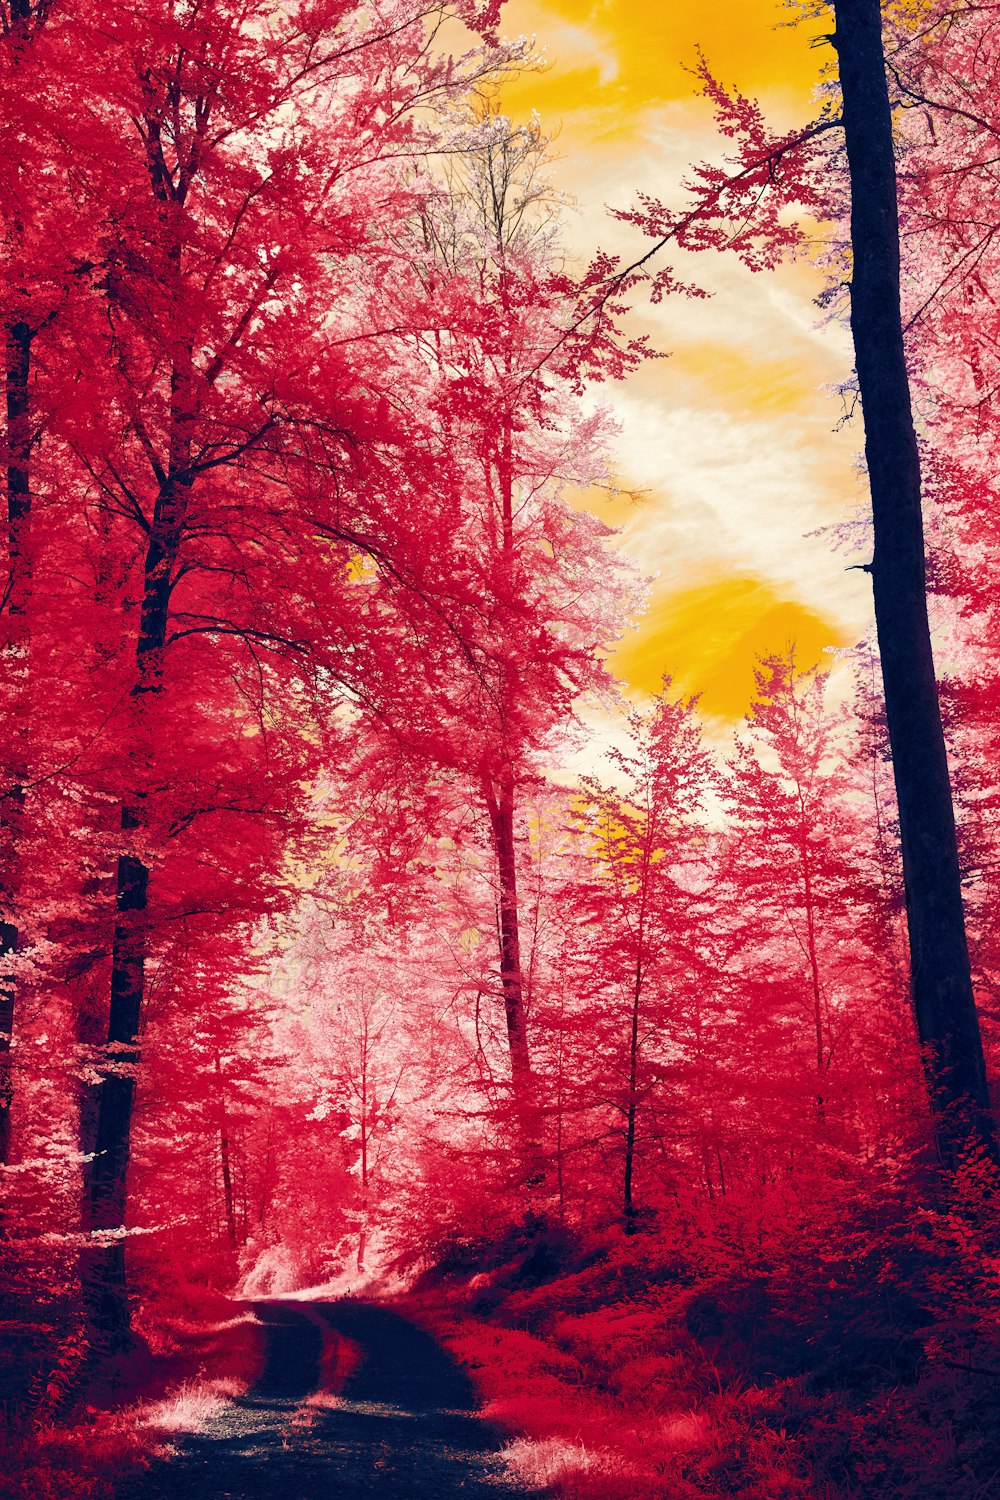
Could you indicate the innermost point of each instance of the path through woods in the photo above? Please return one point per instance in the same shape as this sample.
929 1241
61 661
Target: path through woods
402 1425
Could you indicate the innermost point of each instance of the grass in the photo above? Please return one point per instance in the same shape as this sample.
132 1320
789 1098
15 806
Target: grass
190 1406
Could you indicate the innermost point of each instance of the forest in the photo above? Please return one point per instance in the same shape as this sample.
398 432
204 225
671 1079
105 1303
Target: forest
385 986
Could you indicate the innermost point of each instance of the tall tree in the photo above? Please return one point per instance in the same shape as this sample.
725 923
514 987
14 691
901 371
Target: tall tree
940 977
245 450
650 842
36 267
518 598
800 904
742 206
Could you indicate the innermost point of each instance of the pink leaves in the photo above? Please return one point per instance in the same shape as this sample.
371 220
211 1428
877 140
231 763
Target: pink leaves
751 203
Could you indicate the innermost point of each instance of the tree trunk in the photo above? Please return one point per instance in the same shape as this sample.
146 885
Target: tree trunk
500 804
500 801
103 1262
17 646
501 810
941 985
19 336
632 1110
225 1157
105 1288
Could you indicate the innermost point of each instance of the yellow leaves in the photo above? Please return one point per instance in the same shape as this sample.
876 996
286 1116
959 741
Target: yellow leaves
360 568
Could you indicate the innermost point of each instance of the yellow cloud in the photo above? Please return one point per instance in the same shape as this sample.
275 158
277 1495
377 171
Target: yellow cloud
721 375
709 637
749 358
609 54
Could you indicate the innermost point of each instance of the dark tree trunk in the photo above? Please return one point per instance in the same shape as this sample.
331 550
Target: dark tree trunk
17 644
946 1017
501 810
103 1269
105 1178
632 1110
18 339
225 1156
500 802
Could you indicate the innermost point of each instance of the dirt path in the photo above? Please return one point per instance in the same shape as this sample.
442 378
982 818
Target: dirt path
400 1425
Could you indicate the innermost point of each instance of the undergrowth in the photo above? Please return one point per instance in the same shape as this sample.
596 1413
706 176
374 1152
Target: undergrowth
856 1356
71 1429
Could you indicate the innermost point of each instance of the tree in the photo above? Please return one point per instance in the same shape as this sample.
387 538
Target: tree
940 976
648 841
802 911
507 620
942 67
741 206
41 261
247 446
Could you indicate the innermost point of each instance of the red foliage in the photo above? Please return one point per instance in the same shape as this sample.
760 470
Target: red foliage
312 971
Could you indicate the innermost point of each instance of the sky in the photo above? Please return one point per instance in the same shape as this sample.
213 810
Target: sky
731 444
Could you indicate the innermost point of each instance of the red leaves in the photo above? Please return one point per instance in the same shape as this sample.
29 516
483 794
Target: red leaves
751 203
304 434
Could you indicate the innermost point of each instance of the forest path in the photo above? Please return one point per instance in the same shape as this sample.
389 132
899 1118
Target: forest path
388 1415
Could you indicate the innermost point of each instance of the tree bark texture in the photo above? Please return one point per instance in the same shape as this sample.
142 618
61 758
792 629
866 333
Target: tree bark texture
501 810
17 645
105 1288
944 1006
500 802
632 1109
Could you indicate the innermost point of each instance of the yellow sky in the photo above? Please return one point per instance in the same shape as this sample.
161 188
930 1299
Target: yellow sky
731 440
618 55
